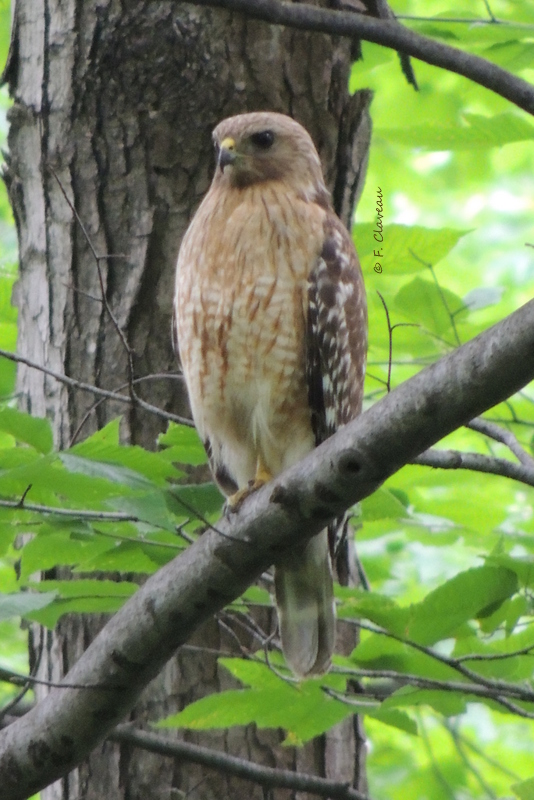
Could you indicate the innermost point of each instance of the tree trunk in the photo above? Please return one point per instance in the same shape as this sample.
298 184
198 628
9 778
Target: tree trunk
114 104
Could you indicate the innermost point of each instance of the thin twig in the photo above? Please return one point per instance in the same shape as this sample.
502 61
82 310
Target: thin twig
390 337
476 462
441 294
97 403
18 679
510 689
440 777
460 749
418 682
103 516
89 387
503 436
213 759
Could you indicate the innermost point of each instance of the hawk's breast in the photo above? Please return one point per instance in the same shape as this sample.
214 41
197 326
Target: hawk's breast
241 308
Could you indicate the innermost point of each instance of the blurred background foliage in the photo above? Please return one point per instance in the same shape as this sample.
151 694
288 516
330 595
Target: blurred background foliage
454 165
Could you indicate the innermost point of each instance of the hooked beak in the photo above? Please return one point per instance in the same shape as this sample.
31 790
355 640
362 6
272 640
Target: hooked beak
227 153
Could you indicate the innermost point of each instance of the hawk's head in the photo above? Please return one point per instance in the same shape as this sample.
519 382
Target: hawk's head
265 146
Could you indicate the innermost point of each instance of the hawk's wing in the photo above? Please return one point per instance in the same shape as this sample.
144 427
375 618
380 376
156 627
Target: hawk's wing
336 333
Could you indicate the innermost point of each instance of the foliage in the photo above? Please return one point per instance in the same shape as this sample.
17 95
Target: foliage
449 555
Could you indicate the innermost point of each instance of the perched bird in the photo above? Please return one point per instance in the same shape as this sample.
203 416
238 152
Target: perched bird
271 327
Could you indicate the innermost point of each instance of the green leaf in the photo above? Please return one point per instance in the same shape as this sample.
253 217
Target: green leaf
122 557
377 608
183 445
401 242
477 132
304 709
458 600
104 447
511 55
450 704
394 718
150 507
22 603
109 471
191 499
50 481
51 549
34 431
524 790
426 304
382 504
86 587
522 566
82 596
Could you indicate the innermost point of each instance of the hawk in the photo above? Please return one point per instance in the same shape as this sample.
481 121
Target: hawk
271 325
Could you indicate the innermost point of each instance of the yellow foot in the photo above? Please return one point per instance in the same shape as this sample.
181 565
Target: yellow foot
263 476
235 501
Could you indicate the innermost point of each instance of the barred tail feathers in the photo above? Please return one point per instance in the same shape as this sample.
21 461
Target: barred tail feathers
306 610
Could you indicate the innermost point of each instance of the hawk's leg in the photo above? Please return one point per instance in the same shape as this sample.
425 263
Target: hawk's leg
263 476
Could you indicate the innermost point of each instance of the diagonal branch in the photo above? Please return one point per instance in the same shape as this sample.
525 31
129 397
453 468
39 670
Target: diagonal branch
213 759
389 33
132 648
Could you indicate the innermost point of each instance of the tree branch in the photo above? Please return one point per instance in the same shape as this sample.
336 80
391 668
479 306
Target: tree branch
213 759
455 459
388 33
498 434
105 393
216 569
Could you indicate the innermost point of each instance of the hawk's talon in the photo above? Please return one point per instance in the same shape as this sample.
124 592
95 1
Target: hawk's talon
235 501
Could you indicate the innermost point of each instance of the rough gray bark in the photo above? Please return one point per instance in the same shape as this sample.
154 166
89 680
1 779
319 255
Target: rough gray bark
172 604
118 101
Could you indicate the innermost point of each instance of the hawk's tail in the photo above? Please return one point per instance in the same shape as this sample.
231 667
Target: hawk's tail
306 609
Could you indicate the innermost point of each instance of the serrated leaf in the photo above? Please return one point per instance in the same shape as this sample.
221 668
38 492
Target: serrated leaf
381 652
304 710
423 302
50 481
401 242
122 557
449 704
110 472
476 132
48 550
191 499
22 603
104 447
505 659
82 596
149 507
183 445
377 608
88 605
35 431
458 600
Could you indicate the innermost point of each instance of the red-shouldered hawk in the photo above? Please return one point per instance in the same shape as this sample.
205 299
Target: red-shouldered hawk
271 324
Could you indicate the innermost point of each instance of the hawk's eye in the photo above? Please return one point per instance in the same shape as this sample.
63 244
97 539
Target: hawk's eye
262 139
